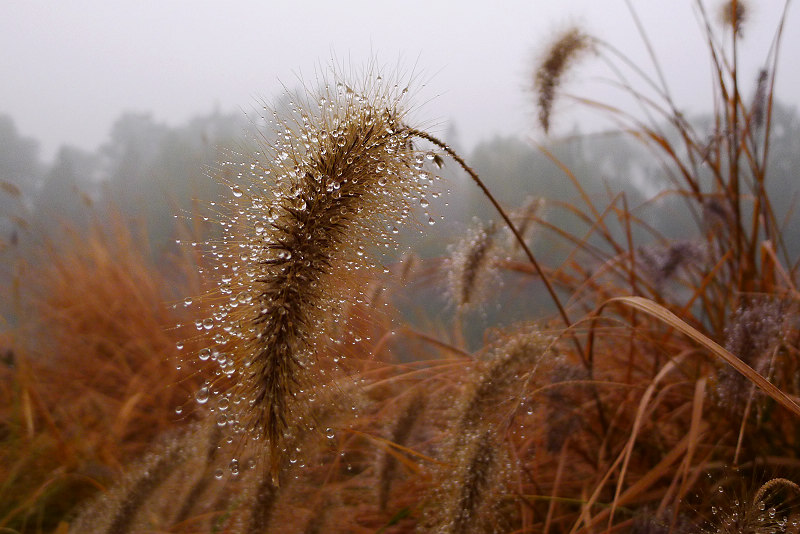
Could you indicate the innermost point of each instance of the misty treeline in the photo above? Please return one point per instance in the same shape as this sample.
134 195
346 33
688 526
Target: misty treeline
162 180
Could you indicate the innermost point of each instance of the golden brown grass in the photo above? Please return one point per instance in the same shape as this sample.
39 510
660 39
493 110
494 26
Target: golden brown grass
664 382
89 378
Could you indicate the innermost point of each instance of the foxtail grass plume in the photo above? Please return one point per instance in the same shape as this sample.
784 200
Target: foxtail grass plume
550 73
499 380
400 432
471 496
471 266
773 507
733 14
340 169
758 109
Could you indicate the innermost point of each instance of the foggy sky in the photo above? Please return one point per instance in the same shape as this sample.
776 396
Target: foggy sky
68 69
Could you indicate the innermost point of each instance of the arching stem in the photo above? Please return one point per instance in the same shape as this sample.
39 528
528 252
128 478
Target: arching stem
562 312
458 159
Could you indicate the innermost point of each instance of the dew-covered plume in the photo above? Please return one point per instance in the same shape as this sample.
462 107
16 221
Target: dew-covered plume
316 197
470 266
471 493
774 507
499 379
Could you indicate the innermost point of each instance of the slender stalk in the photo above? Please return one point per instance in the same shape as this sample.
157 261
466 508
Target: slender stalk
458 159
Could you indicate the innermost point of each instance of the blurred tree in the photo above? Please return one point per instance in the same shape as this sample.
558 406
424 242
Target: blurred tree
21 171
68 189
154 172
19 157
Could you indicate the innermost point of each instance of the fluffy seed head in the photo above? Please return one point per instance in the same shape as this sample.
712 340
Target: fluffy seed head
660 262
758 109
340 165
499 379
733 14
560 55
470 266
774 507
473 489
400 433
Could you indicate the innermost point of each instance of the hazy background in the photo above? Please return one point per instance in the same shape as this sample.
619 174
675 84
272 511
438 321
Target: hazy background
69 69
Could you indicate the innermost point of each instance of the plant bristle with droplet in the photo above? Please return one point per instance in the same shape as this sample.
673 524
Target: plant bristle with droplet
340 167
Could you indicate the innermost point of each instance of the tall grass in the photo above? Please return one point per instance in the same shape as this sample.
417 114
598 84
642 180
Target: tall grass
89 375
660 397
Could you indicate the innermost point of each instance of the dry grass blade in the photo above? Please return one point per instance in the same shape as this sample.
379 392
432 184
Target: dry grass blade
667 317
637 424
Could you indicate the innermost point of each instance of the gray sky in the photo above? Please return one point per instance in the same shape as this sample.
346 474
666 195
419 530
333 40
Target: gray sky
69 68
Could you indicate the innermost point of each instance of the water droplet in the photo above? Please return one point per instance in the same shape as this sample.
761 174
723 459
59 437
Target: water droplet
234 466
237 192
424 202
431 221
218 474
179 410
179 345
208 323
341 141
202 395
187 301
204 354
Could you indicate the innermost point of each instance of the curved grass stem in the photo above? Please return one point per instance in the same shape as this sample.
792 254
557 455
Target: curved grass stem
458 159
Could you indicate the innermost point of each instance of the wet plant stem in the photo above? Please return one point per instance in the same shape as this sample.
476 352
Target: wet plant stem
562 312
458 159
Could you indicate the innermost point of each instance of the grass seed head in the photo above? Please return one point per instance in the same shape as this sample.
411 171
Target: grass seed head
498 380
474 488
313 200
471 266
550 73
773 507
758 109
733 14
